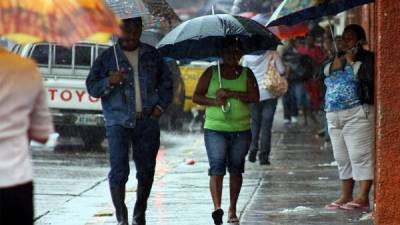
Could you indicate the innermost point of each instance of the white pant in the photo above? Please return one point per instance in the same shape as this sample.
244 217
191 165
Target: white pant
352 135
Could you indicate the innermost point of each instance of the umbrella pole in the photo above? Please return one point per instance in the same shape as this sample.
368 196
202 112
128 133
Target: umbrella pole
116 57
333 35
115 52
226 107
219 75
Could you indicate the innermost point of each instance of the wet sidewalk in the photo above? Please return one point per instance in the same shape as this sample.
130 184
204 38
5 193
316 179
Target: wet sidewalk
302 178
291 191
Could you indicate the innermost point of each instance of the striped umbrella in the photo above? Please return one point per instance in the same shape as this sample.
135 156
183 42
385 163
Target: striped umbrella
291 12
155 13
288 32
61 21
283 32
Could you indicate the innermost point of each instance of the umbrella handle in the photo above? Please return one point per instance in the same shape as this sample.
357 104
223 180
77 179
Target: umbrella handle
226 107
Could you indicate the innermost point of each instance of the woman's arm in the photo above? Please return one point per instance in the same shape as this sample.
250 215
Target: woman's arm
279 66
200 92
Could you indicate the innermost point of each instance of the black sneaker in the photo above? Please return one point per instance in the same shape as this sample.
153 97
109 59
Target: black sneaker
252 156
217 216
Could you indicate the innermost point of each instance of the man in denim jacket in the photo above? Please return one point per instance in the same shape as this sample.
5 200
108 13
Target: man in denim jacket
133 93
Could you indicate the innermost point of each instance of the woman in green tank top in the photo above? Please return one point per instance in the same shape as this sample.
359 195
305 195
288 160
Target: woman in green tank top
227 134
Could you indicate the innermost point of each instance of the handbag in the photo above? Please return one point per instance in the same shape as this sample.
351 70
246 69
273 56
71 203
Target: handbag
273 81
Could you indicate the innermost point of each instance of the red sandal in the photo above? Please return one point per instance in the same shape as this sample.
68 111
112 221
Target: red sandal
355 206
233 221
333 206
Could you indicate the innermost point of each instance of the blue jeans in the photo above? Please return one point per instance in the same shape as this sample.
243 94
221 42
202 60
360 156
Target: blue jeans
262 117
299 98
145 142
226 149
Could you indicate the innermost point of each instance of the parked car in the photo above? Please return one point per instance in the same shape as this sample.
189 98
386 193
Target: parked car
75 113
190 74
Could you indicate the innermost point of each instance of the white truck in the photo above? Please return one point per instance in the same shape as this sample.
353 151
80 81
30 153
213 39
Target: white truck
75 113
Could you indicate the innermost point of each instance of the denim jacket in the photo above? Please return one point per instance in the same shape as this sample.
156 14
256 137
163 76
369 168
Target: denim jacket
118 101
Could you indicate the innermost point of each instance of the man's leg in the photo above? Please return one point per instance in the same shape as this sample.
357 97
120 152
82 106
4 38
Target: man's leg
286 101
16 205
267 118
118 140
295 101
145 148
255 130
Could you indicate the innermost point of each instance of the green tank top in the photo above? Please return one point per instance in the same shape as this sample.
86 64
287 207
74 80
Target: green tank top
238 118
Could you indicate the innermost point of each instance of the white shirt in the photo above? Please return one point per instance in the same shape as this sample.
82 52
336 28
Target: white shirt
259 64
133 58
23 111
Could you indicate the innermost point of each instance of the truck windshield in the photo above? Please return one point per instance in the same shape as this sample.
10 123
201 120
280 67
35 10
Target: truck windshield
41 54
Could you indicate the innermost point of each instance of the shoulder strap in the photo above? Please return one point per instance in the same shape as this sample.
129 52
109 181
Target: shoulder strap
271 60
271 57
214 70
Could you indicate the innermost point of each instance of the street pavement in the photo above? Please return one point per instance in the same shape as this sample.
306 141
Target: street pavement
293 190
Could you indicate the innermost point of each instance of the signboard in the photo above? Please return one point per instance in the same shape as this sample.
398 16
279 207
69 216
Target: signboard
71 98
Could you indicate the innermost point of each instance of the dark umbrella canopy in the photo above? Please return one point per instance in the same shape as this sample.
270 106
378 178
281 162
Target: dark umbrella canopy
291 12
202 37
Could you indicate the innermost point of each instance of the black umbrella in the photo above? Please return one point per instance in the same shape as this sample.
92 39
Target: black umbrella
202 38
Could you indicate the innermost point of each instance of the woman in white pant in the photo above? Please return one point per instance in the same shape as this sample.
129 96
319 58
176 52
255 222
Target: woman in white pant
349 112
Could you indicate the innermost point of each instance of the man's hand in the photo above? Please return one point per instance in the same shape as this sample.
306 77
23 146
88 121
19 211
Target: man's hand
156 113
117 77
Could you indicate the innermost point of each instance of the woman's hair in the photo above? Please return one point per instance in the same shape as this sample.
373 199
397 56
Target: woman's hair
233 41
357 30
